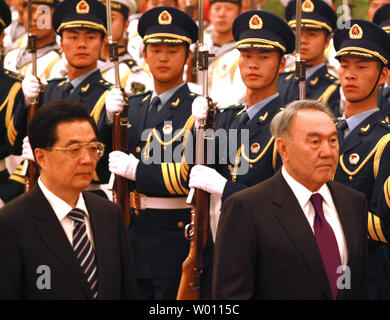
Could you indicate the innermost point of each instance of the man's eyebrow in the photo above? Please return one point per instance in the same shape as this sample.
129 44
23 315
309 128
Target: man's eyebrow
74 141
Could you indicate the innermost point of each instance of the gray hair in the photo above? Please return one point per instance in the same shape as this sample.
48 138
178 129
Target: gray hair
280 124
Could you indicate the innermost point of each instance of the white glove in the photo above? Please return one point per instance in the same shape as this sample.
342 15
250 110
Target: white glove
30 87
27 153
207 179
123 164
114 103
199 110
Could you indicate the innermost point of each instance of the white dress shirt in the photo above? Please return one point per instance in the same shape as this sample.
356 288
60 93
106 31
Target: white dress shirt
303 196
61 209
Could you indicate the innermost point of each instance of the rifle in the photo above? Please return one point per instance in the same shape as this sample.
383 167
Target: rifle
120 187
197 231
300 65
29 166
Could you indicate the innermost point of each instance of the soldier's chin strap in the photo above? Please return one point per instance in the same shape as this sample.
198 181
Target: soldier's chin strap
373 88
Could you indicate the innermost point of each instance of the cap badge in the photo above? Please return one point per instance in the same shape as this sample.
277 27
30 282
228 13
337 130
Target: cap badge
165 17
356 32
354 158
307 6
255 22
82 7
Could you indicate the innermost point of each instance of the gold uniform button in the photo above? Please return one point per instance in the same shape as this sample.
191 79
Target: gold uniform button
138 149
180 224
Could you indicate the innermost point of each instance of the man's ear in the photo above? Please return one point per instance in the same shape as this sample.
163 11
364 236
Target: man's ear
188 60
384 76
40 156
282 148
282 65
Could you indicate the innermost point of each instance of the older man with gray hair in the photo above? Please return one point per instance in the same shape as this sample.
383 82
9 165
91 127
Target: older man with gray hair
302 236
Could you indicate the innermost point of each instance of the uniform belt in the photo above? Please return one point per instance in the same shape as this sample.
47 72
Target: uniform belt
139 201
2 165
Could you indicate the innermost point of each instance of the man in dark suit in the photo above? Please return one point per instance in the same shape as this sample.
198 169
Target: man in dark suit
301 236
56 241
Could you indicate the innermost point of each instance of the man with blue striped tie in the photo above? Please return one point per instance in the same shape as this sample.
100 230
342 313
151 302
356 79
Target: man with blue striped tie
58 241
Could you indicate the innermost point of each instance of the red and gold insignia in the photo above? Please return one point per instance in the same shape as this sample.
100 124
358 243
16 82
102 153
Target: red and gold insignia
167 129
82 7
307 6
165 17
255 147
255 22
354 158
356 32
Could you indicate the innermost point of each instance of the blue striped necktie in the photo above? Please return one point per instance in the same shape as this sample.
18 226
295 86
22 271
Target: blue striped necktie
84 251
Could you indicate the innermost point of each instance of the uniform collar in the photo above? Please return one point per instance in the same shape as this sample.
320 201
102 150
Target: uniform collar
164 97
253 110
313 70
357 119
75 82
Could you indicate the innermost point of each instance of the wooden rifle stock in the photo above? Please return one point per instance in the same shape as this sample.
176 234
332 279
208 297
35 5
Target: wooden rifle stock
31 172
120 190
198 230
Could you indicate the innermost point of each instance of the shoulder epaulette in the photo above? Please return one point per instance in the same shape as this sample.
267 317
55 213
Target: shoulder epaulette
140 94
14 75
105 84
385 124
237 106
132 65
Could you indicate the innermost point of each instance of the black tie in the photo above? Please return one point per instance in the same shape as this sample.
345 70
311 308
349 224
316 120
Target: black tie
153 108
341 125
244 118
66 90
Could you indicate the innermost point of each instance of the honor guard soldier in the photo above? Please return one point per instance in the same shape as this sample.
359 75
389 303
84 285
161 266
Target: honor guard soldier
11 94
16 30
364 164
132 77
48 51
160 123
249 155
382 18
318 22
223 74
81 24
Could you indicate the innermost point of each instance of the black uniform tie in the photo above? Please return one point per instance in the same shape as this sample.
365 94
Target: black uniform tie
341 125
67 88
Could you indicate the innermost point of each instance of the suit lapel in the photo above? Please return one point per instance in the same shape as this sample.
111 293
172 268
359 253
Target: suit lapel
49 229
293 220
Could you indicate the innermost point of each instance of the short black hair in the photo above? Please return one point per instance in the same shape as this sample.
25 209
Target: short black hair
42 128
